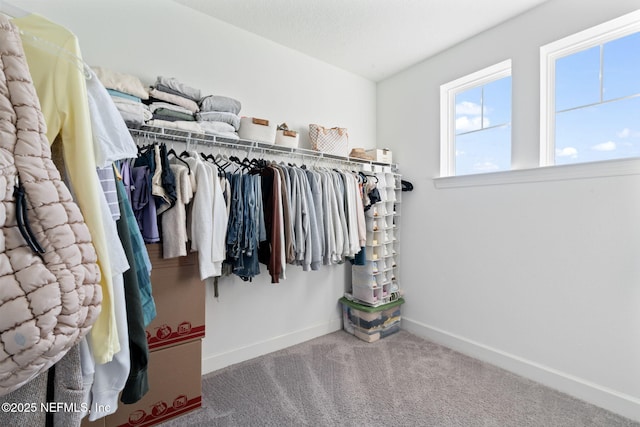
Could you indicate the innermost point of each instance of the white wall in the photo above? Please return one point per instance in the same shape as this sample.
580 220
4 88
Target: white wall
148 38
542 278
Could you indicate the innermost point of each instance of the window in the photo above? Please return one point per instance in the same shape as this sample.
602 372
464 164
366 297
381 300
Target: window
590 94
475 114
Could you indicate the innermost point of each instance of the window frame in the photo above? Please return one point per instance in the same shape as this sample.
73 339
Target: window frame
549 53
448 92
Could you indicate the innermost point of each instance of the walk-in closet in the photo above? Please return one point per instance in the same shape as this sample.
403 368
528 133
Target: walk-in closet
319 213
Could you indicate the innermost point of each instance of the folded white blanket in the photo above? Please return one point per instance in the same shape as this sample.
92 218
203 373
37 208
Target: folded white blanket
121 100
193 127
174 99
136 113
122 82
219 129
220 103
218 116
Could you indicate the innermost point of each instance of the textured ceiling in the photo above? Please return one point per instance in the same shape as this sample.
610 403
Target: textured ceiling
372 38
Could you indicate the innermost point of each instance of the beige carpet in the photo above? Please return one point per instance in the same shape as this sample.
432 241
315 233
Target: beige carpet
402 380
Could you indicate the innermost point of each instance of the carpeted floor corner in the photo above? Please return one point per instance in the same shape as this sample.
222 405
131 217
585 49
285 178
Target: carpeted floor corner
401 380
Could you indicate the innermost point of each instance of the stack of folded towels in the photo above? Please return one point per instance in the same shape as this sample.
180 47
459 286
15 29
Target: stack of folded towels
173 105
127 93
219 116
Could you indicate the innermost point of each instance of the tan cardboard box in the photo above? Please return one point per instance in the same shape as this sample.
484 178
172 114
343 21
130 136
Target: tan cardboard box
175 388
180 300
97 423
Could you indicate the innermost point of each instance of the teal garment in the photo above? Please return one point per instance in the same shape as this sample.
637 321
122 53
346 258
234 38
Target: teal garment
141 256
137 384
119 94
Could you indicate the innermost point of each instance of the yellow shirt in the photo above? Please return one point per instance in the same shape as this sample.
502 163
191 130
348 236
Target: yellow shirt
60 83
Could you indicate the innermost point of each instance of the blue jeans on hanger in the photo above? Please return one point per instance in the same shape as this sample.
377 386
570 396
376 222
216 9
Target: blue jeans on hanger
236 217
254 227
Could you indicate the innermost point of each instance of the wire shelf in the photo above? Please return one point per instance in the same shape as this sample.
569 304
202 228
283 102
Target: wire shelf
195 139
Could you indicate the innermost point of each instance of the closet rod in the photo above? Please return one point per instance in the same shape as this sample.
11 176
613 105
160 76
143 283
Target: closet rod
244 144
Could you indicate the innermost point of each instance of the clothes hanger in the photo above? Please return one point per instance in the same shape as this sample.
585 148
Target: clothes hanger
13 11
222 161
145 147
172 151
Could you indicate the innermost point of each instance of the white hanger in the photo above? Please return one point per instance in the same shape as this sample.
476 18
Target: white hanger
16 12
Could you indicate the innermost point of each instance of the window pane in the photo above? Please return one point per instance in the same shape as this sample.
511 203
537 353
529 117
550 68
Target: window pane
578 79
497 102
621 75
487 150
468 110
601 132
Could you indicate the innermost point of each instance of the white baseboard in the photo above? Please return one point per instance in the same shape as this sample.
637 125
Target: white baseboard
614 401
221 360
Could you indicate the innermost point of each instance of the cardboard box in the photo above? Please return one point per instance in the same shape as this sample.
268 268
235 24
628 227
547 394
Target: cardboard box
382 155
175 388
97 423
179 295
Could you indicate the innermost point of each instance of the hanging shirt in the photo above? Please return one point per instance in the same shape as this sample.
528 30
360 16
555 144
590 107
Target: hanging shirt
314 240
271 249
174 220
220 220
208 222
351 213
362 224
342 233
143 204
286 230
61 88
289 221
112 140
330 213
315 187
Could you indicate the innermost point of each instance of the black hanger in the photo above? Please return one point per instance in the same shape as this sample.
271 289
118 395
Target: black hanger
222 163
172 151
373 176
237 161
145 148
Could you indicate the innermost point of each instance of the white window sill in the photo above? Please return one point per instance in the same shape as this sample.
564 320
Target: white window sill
607 168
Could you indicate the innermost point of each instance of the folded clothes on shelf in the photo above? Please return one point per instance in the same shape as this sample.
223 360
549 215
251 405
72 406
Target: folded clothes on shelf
155 94
218 116
174 86
122 82
220 103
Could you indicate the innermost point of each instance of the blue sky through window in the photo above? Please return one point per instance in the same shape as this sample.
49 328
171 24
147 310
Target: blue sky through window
597 102
598 115
483 128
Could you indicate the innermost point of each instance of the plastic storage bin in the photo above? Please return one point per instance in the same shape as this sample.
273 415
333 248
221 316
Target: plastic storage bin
371 323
